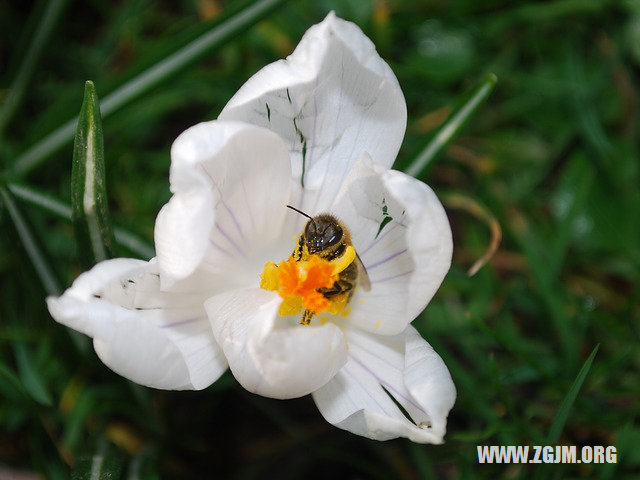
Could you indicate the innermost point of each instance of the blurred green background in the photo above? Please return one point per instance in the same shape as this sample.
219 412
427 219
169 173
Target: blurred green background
551 160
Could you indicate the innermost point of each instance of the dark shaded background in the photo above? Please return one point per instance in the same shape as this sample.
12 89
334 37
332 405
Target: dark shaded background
552 158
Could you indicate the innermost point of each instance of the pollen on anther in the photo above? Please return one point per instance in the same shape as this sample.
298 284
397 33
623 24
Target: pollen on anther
299 282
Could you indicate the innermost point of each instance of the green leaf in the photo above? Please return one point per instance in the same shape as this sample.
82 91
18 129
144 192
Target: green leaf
422 461
30 243
575 183
220 33
134 243
565 407
38 39
42 200
143 466
30 377
105 464
88 190
76 420
452 126
10 384
30 195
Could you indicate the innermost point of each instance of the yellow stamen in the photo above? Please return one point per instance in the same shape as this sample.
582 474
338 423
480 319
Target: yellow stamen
338 304
291 305
269 279
298 282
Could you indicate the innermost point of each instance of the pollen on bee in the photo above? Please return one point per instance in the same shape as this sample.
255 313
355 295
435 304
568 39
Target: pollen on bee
269 279
299 282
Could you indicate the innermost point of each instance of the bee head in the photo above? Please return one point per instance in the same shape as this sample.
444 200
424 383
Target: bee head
322 233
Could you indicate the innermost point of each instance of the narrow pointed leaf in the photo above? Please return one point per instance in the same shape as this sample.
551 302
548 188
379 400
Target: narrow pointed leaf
104 464
76 420
10 385
46 202
124 238
48 19
218 35
30 242
88 191
133 243
30 377
452 126
565 407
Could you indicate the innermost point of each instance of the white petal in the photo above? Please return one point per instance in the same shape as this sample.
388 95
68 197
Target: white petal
332 99
230 184
271 355
404 366
428 380
408 258
157 339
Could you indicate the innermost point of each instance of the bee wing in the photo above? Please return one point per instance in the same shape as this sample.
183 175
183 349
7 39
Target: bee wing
363 276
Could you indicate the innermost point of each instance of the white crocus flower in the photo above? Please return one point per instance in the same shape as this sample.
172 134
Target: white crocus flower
318 131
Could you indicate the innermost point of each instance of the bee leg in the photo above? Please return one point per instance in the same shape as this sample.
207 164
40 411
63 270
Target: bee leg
346 282
297 252
338 287
307 315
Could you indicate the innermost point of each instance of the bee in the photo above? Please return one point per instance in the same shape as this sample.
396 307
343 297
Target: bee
326 236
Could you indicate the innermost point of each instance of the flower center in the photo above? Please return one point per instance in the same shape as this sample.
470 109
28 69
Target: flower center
305 284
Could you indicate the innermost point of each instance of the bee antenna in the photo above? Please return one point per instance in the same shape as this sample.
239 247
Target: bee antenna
300 212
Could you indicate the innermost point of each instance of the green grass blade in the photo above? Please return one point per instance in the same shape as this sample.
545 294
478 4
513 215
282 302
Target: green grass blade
10 384
48 20
76 420
30 377
104 464
452 125
420 456
91 222
137 86
124 238
133 243
565 407
42 200
30 243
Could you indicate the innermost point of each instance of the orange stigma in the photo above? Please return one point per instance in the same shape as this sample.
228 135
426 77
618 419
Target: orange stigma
298 283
